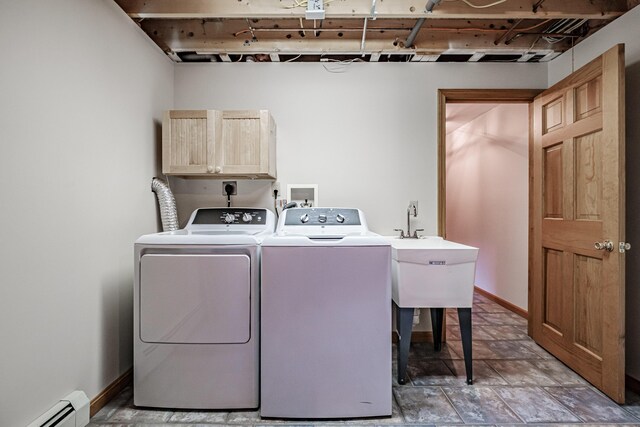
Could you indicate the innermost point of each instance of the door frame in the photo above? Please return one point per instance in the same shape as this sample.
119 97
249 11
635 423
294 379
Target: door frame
459 96
451 96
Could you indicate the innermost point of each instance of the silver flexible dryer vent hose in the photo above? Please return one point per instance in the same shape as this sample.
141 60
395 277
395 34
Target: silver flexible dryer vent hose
167 204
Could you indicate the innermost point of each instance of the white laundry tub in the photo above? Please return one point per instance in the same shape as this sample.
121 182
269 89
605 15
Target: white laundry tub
432 272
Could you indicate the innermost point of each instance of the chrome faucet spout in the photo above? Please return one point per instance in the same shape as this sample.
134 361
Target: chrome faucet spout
412 209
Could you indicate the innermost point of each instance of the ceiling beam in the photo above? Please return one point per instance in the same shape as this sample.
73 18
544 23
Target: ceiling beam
350 47
194 35
404 9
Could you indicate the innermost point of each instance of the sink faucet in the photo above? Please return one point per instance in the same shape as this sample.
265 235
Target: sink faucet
411 210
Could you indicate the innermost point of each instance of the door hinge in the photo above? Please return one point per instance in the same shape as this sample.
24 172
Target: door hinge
623 247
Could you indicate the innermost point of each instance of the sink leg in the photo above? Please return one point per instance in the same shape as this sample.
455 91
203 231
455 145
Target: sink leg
464 317
404 323
437 315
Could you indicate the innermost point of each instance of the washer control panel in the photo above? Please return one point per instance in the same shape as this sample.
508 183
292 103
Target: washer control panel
322 216
221 216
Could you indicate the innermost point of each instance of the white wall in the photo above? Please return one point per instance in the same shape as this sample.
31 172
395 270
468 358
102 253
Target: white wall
82 94
366 136
488 197
623 30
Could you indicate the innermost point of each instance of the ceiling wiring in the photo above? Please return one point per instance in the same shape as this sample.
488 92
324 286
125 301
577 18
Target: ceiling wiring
483 6
253 35
555 33
566 26
341 65
304 33
533 27
293 59
510 30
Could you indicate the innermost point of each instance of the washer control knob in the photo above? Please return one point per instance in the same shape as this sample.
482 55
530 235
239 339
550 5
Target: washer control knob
229 218
304 218
322 218
246 217
340 218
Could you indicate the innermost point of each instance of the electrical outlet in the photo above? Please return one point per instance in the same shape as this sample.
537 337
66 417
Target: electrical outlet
276 186
233 184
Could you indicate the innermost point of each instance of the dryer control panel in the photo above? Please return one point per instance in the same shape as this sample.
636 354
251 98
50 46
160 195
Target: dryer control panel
224 216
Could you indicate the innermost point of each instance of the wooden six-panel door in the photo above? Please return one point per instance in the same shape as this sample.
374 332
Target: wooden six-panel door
576 301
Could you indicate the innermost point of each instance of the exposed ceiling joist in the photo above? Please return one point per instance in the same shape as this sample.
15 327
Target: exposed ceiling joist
194 35
272 30
393 9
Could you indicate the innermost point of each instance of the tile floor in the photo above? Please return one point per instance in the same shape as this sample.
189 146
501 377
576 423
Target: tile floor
515 382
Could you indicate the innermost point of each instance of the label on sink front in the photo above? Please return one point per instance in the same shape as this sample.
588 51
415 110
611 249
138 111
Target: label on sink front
437 262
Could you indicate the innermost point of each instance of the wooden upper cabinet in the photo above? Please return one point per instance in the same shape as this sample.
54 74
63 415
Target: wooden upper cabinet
224 144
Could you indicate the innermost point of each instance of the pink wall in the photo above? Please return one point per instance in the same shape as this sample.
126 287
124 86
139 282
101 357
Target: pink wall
487 193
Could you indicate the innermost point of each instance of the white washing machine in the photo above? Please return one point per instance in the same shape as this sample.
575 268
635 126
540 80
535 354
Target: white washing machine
325 317
196 311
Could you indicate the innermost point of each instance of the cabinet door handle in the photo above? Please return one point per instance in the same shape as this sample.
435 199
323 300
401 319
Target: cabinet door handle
218 169
209 168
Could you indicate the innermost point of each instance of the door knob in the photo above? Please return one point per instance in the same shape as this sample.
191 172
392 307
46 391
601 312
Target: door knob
607 245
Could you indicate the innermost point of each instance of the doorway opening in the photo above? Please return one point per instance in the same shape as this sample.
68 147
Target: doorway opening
484 174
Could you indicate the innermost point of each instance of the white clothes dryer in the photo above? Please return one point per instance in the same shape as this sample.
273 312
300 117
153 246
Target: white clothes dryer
325 317
196 311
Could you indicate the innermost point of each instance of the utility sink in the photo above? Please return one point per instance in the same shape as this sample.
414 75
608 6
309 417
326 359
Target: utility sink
435 273
432 272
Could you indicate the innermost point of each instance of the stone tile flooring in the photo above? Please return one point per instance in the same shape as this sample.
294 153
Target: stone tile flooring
515 382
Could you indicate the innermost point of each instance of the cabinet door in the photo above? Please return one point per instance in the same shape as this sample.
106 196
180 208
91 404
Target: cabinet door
187 142
243 143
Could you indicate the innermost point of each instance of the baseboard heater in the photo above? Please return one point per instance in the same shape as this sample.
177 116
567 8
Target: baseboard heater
72 411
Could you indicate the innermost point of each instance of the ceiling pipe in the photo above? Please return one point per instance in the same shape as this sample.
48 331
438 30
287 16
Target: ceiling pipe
414 32
431 4
364 36
416 28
